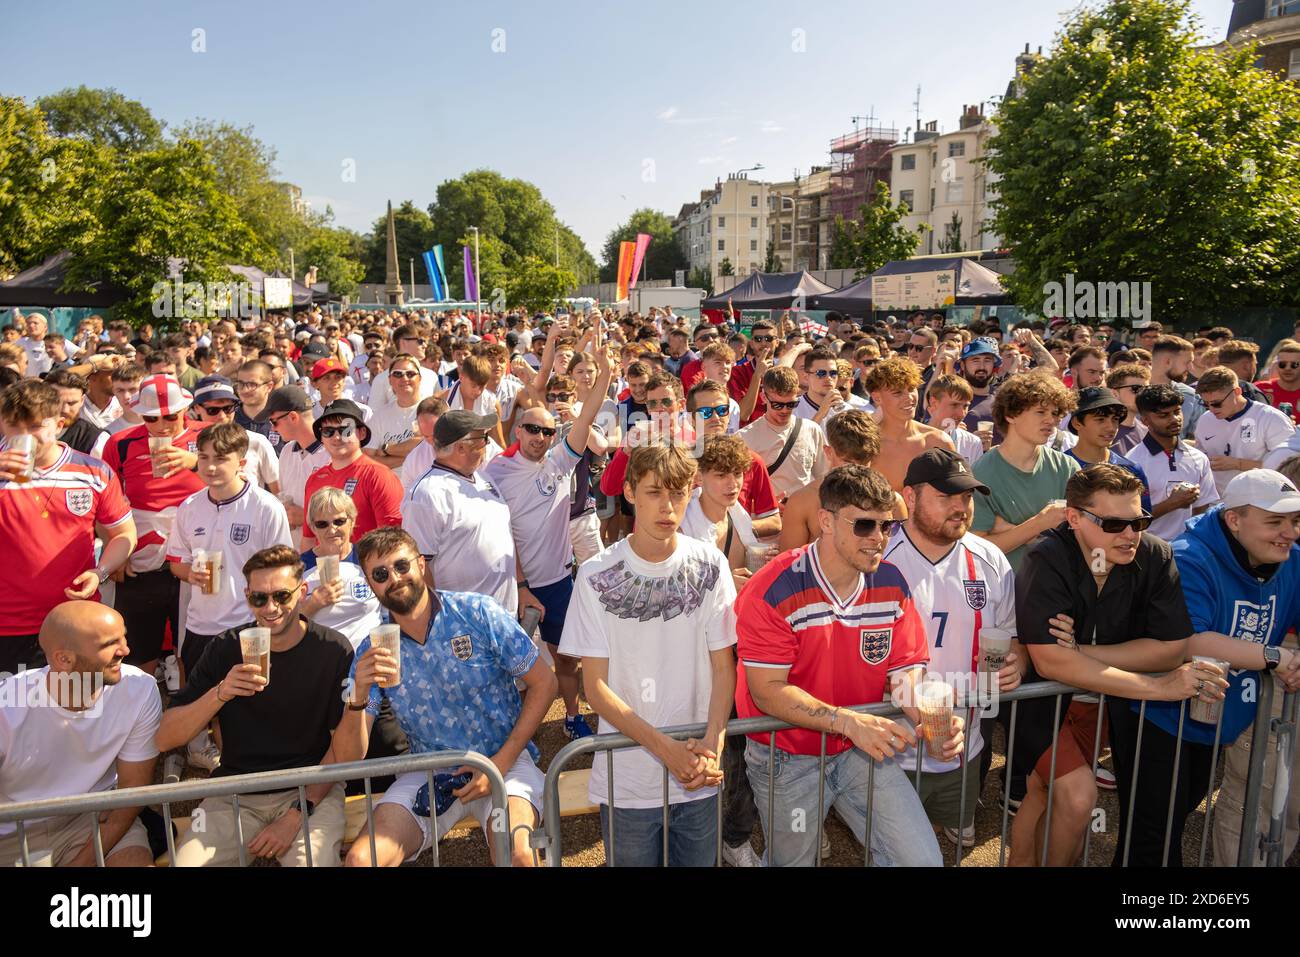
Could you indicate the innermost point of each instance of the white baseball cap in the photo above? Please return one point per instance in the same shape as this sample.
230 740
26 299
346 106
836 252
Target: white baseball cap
1263 488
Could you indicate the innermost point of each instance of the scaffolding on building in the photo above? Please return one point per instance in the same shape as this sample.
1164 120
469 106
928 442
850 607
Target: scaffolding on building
859 160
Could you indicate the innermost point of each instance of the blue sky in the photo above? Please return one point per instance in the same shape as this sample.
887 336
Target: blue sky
605 107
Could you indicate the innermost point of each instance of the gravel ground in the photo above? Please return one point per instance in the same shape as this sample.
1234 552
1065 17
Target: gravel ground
583 847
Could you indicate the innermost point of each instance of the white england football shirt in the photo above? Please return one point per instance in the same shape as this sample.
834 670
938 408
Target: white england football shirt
463 525
239 528
973 579
537 495
1164 471
1252 433
357 613
261 465
296 464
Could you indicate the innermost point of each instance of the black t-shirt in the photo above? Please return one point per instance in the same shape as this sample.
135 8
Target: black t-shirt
289 722
81 435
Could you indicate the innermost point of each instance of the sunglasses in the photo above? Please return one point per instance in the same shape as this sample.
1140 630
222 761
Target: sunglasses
217 409
913 347
773 404
866 527
400 567
664 404
339 431
170 417
403 375
1217 404
323 524
709 411
707 337
532 428
275 420
1113 526
473 440
258 599
1135 388
765 338
827 373
1288 365
553 397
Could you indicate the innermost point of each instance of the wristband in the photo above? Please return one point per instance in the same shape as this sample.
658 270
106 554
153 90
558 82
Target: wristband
358 707
522 583
219 698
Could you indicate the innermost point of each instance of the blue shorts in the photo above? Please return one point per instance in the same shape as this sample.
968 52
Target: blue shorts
555 599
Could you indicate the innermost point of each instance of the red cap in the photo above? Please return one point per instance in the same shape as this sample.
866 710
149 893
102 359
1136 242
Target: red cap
326 366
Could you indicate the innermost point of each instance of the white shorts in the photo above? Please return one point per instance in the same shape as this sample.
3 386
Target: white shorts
523 780
584 536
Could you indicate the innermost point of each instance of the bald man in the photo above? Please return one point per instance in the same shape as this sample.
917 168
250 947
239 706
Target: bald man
82 724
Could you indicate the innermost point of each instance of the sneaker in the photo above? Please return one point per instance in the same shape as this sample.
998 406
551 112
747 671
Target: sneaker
1105 780
1012 806
826 845
173 768
967 835
577 727
742 856
202 753
171 674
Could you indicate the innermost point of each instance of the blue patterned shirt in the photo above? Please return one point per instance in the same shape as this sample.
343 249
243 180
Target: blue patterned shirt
458 689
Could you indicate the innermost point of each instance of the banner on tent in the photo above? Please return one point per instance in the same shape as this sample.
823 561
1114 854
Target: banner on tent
925 290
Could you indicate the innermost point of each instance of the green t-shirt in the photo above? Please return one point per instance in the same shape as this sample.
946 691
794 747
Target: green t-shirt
189 378
1018 496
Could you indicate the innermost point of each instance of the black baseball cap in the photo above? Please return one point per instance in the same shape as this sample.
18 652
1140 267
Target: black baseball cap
287 398
454 426
315 350
343 407
1093 398
945 470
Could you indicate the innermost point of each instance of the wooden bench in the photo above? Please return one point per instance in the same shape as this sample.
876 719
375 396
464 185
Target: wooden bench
573 803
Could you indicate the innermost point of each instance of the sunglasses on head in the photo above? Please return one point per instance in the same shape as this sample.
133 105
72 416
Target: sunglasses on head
258 599
339 431
532 428
170 417
400 567
217 409
774 404
552 397
1113 526
709 411
827 373
865 527
321 524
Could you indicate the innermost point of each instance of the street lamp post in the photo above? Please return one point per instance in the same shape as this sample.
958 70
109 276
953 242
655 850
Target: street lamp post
736 212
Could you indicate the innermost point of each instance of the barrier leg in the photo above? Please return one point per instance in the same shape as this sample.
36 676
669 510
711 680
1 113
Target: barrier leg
1051 782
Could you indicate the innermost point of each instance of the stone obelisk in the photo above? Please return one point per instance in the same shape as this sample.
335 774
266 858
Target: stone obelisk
394 295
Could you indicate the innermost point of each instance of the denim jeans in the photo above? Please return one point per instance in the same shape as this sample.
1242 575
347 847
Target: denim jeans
738 812
900 832
639 834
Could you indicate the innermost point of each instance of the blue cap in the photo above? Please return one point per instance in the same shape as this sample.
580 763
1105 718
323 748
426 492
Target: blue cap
982 346
214 387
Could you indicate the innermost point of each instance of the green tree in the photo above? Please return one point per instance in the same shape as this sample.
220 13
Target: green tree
414 232
105 117
772 263
877 238
951 241
700 279
1129 154
156 205
663 257
337 255
725 268
536 284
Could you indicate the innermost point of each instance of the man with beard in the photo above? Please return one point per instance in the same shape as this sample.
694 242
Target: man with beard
267 725
461 656
961 586
1171 360
532 476
808 655
892 385
111 746
979 361
1284 387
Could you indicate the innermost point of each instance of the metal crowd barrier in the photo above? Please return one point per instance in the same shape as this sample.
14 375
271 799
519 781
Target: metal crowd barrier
1270 844
295 778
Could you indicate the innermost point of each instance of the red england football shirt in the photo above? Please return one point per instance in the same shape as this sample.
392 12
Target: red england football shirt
153 500
1277 395
840 652
375 490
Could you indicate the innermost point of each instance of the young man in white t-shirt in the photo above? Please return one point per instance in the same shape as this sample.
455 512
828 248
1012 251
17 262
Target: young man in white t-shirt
92 731
471 393
651 619
215 402
947 400
789 471
1238 434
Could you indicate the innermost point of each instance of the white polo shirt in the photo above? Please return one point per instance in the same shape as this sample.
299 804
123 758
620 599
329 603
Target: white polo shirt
1164 471
261 466
463 525
296 463
485 404
1252 433
537 494
240 527
1283 452
99 418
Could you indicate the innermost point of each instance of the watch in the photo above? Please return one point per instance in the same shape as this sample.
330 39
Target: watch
297 806
102 573
1272 658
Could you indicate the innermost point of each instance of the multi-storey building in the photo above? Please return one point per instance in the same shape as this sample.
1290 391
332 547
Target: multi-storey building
729 223
1275 26
799 221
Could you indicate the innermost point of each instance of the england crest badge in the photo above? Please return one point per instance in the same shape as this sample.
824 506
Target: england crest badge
462 646
875 644
79 501
976 593
239 534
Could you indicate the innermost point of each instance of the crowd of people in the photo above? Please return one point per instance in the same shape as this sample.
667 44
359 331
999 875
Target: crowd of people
447 521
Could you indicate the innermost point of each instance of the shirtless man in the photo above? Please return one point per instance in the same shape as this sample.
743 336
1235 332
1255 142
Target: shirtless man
892 385
852 438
